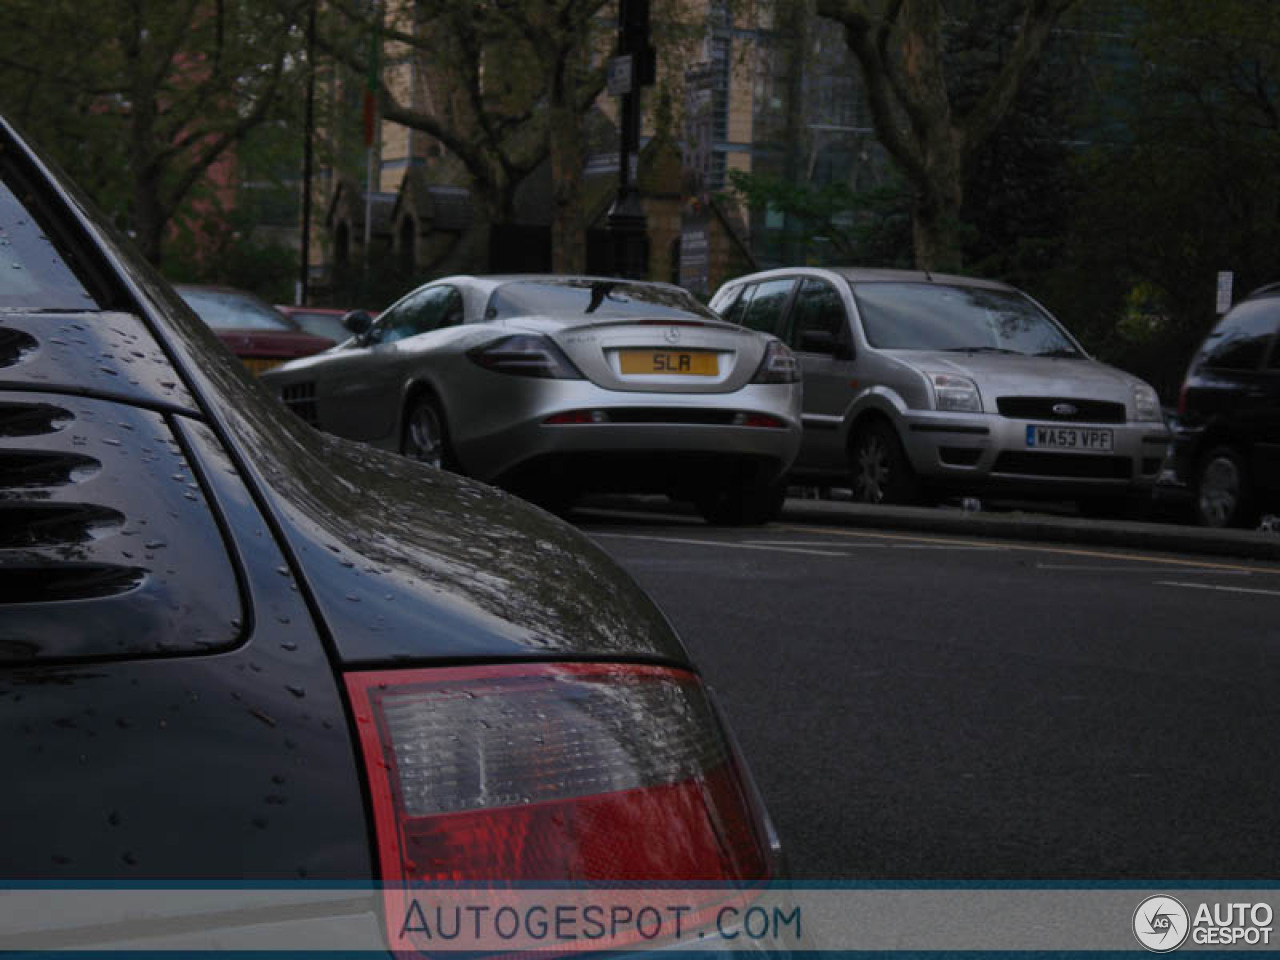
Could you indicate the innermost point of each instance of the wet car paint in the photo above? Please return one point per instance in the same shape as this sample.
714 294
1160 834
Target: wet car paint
237 762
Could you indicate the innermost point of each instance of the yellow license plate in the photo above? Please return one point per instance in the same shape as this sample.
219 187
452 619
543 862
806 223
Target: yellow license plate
682 363
260 364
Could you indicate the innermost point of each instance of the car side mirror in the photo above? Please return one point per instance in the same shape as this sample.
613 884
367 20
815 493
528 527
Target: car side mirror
815 340
357 321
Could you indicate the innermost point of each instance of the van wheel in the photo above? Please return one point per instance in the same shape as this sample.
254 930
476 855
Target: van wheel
424 437
881 472
1223 494
745 506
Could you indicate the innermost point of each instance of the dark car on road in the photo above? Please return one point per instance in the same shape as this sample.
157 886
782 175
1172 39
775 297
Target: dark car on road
256 332
1225 452
235 649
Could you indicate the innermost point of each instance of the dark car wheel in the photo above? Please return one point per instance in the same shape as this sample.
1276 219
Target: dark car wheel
748 505
424 438
881 471
1223 497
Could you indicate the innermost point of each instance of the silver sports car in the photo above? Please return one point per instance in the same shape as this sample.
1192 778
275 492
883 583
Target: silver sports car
553 386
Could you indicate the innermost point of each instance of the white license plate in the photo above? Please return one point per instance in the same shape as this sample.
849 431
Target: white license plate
1088 439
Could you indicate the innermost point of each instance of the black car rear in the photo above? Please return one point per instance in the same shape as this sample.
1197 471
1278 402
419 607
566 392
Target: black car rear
232 648
1226 447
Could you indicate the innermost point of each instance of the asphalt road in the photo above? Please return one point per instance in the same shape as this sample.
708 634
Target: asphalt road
919 706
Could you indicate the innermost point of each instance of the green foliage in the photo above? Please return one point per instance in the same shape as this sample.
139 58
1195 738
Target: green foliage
141 99
830 223
1188 190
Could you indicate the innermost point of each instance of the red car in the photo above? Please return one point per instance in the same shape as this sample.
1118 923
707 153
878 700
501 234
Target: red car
321 321
256 332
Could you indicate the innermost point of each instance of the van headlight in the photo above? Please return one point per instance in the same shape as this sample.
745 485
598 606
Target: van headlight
1146 404
955 394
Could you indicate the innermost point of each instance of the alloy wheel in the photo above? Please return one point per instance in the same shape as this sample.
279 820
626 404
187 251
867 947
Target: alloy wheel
872 477
1219 497
424 437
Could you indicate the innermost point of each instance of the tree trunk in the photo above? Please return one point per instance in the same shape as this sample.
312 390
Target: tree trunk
937 230
564 132
899 47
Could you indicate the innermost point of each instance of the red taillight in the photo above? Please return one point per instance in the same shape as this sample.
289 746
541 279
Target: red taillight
566 773
1182 399
757 420
578 416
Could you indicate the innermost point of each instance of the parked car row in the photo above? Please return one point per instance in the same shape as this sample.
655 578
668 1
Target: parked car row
916 386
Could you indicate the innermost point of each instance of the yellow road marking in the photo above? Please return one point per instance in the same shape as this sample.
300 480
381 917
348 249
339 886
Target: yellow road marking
1029 548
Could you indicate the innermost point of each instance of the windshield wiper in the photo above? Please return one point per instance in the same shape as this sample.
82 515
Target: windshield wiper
1058 352
981 350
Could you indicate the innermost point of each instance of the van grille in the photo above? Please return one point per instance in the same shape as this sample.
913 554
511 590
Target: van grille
1041 408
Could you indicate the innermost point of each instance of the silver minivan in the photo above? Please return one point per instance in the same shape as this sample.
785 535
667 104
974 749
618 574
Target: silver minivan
919 385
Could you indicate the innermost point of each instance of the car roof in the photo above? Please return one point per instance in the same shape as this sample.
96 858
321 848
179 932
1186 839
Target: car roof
855 275
1266 290
493 280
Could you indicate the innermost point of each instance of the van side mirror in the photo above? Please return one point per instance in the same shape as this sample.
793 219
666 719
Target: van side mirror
357 322
817 340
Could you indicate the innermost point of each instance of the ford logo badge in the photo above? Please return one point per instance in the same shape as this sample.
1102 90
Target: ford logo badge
1065 409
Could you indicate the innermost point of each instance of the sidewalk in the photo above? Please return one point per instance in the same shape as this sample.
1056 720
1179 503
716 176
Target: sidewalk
1164 537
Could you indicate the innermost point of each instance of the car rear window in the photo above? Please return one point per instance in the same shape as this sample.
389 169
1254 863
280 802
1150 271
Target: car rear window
599 298
928 316
1240 340
230 310
34 273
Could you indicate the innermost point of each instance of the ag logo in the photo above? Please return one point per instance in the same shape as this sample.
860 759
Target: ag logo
1161 924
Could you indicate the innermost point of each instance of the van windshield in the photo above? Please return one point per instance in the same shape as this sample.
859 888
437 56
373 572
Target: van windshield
929 316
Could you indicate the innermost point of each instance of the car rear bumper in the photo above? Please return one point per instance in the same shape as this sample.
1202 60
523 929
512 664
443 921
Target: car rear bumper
986 452
644 441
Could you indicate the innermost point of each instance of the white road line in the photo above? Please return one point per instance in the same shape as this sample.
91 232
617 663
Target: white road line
942 546
1221 589
812 543
1109 568
720 543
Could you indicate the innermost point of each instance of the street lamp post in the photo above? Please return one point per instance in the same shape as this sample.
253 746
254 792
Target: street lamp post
630 70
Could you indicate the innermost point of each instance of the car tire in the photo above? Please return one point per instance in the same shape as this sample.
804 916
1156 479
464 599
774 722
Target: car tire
881 472
746 506
1223 493
424 437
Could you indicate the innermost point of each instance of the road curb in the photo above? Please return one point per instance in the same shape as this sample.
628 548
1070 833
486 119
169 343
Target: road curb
1168 538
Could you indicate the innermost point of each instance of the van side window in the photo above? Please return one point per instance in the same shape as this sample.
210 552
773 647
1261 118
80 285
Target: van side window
738 309
764 313
819 323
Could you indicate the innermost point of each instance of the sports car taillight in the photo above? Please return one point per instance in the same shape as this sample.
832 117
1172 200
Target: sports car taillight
526 355
778 366
565 773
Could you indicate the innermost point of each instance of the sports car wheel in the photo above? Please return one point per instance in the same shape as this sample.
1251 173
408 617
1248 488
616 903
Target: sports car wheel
881 471
424 437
